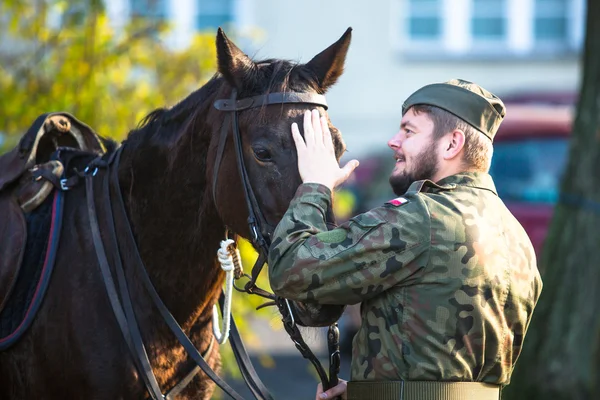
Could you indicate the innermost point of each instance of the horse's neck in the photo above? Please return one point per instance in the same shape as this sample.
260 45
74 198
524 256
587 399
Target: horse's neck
176 225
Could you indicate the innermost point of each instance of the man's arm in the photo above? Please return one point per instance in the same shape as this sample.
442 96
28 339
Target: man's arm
361 258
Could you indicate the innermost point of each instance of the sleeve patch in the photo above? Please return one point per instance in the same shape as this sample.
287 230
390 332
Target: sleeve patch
398 201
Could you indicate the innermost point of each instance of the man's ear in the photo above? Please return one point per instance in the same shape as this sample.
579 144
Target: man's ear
454 142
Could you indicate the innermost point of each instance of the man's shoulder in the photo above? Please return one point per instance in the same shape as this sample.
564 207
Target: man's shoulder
405 209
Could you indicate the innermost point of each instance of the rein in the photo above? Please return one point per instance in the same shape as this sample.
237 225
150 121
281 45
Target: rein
256 223
125 250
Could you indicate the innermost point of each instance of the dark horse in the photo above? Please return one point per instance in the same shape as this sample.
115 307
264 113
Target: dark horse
74 349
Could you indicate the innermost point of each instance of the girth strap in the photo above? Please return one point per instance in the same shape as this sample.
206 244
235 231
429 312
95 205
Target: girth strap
422 390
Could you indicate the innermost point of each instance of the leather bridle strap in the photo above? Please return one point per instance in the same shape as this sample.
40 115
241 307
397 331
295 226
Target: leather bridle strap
256 221
253 381
271 98
126 318
128 326
161 307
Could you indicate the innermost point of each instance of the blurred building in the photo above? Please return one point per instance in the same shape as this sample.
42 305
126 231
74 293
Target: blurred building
507 46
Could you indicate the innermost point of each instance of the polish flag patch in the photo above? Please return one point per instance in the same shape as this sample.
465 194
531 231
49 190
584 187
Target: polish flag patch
398 201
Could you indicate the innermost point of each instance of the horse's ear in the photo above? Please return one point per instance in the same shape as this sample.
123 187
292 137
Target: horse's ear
328 65
234 64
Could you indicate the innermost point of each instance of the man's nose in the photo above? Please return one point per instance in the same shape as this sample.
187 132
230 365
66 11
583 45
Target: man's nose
395 142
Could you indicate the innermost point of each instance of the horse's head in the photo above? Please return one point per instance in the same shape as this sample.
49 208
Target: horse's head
268 147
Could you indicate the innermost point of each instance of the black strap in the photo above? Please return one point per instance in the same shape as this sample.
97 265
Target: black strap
182 384
125 297
220 150
256 220
126 318
271 98
42 173
255 217
163 310
292 330
254 383
112 294
333 347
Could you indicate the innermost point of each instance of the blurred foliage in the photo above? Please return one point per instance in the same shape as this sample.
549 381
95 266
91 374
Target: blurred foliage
66 56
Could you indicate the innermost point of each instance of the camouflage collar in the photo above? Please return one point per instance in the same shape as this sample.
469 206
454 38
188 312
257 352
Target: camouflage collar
480 180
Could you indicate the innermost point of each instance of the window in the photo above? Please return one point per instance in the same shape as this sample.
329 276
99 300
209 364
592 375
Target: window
488 20
151 9
487 28
425 22
551 21
214 13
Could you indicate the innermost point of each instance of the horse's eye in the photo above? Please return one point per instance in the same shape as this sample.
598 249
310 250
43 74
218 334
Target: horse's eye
262 154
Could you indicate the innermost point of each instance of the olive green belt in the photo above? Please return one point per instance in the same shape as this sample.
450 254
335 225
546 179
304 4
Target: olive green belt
422 390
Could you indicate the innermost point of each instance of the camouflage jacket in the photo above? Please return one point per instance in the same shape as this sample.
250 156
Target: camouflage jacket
446 275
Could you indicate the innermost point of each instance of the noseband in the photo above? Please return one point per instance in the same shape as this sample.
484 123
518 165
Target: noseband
257 223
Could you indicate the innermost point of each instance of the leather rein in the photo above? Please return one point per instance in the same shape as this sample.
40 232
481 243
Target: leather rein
116 253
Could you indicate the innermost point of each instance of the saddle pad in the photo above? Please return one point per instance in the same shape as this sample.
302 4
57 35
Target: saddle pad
43 227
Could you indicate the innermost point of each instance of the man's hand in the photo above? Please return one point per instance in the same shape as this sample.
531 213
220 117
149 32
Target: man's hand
338 390
316 155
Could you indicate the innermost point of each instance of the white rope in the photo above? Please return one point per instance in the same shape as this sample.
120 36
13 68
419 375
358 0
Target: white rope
227 264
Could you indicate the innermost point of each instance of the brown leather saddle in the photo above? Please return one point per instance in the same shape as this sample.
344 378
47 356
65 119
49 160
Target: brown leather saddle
28 174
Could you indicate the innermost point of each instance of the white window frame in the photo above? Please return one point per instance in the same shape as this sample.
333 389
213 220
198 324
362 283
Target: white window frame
457 41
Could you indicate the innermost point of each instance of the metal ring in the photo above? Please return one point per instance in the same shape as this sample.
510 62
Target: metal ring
244 289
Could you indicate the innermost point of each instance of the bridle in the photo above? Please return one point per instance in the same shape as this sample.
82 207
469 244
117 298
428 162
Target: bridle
115 251
256 221
257 224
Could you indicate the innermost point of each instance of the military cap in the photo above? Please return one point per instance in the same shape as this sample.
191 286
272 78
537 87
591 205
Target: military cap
466 100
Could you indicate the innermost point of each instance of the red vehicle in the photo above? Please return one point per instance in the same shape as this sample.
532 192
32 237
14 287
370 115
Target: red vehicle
530 154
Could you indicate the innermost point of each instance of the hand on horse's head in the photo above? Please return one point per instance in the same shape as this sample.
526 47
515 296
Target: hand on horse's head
317 162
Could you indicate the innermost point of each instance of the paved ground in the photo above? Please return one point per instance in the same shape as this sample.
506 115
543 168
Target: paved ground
289 376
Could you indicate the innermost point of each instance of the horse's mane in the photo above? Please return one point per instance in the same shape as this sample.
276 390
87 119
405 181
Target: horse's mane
270 75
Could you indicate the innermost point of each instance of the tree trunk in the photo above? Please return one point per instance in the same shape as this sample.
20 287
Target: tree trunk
561 355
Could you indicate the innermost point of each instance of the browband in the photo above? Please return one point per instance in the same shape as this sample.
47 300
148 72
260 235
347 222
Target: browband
271 98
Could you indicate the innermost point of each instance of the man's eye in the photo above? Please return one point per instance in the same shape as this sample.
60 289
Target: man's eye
262 154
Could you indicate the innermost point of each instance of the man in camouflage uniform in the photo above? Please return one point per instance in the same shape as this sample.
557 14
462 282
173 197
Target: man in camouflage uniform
447 277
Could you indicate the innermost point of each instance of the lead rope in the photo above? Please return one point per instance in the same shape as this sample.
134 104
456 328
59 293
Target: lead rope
229 258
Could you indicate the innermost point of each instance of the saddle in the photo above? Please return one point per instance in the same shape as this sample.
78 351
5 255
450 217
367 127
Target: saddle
28 175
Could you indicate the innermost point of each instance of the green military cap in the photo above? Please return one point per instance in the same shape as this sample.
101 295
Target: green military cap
468 101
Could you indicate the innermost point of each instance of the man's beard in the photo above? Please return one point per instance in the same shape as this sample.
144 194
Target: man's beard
425 168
